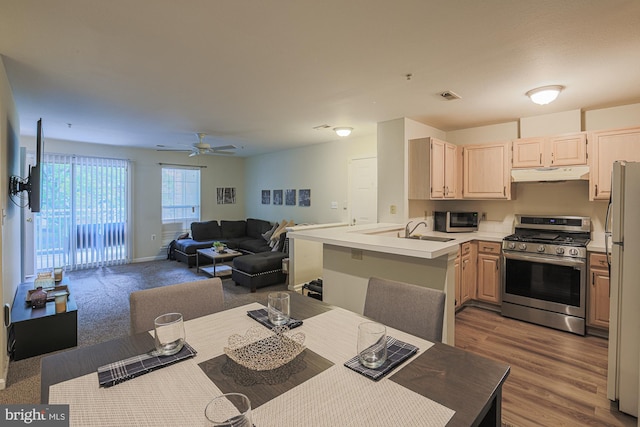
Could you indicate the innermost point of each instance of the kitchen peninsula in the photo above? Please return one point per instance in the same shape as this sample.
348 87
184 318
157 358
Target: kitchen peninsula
353 254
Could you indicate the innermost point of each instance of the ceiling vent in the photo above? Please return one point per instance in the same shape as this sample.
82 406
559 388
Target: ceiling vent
450 95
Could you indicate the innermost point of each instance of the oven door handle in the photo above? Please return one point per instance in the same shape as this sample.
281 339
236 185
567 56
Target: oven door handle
569 262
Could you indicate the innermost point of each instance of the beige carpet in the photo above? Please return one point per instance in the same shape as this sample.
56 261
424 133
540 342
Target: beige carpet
102 295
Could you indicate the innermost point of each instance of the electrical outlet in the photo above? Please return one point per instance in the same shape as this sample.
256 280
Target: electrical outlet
393 209
483 217
356 254
153 237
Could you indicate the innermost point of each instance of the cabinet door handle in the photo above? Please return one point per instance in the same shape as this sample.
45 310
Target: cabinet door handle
540 158
593 279
596 189
504 191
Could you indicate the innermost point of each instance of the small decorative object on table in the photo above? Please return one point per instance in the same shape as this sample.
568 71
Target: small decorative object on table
44 280
261 349
219 247
38 298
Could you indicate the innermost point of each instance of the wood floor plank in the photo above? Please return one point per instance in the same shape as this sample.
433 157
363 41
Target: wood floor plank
556 379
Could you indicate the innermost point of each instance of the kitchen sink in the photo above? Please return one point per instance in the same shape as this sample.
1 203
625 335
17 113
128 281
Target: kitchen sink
431 238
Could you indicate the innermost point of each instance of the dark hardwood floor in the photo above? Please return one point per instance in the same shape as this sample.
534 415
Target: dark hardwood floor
556 379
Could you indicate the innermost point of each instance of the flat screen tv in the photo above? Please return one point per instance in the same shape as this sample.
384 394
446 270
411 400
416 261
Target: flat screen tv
34 182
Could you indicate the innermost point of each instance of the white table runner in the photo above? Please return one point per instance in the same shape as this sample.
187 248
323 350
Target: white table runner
176 395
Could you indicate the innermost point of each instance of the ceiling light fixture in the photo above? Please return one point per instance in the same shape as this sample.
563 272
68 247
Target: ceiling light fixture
343 131
544 95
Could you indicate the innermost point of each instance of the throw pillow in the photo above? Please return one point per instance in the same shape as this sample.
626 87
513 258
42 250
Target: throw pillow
280 229
267 235
183 236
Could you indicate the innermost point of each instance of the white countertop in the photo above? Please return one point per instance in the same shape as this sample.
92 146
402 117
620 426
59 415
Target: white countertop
383 237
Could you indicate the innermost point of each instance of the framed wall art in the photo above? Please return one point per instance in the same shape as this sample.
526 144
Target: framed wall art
290 197
304 198
226 195
277 197
266 197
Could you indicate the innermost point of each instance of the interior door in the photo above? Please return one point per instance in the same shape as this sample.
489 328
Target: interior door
363 191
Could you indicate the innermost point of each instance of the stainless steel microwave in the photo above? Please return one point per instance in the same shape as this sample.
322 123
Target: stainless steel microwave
455 222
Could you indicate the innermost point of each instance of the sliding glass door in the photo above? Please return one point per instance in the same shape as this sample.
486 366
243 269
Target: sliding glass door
83 221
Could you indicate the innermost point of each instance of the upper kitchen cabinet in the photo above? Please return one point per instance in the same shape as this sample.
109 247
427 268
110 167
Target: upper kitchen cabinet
446 169
419 169
486 171
562 150
435 169
607 147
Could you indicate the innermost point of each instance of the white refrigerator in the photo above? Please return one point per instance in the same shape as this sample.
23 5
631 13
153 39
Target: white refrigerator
622 238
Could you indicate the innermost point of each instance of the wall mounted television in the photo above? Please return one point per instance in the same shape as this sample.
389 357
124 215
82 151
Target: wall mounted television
32 185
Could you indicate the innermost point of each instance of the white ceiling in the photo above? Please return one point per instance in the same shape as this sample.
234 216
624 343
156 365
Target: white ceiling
262 74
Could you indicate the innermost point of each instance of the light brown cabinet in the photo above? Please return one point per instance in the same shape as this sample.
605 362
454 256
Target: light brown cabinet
445 167
468 259
607 147
486 171
419 165
489 272
598 312
458 291
561 150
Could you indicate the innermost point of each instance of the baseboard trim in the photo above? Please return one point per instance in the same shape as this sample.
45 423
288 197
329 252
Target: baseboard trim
150 258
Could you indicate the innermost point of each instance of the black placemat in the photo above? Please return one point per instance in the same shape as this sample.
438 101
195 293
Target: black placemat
397 352
262 316
123 370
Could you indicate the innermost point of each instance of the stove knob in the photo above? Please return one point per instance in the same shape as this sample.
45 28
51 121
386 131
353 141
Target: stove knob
523 246
511 245
559 251
541 248
573 252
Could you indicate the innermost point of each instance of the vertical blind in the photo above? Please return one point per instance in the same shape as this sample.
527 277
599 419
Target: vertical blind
83 220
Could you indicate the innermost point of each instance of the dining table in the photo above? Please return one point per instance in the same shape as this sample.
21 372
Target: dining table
439 385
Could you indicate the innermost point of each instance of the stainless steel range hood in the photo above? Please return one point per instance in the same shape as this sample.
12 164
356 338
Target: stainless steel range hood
566 173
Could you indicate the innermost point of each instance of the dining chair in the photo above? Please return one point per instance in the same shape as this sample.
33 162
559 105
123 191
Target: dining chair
413 309
191 299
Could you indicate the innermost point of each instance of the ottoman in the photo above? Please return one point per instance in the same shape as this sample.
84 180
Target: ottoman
258 270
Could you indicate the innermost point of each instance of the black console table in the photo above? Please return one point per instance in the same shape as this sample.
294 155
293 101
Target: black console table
37 331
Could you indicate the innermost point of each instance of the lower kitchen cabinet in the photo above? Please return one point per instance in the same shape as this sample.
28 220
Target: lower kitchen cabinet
489 272
468 259
598 307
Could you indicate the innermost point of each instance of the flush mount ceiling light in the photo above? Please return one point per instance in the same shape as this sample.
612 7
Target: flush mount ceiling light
343 131
544 95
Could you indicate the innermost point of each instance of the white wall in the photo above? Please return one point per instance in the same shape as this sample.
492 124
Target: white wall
146 186
321 168
393 148
619 117
11 214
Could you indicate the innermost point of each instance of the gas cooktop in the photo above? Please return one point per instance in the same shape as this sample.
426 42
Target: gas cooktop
566 236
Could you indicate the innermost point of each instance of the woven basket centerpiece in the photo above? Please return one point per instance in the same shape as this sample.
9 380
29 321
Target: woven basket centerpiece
261 349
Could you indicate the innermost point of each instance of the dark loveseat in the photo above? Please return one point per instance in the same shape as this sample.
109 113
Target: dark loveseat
242 235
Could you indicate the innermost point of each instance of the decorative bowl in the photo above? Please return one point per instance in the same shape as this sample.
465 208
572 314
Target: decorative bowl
261 349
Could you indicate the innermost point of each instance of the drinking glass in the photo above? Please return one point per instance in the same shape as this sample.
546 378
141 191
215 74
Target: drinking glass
278 308
169 332
229 410
372 344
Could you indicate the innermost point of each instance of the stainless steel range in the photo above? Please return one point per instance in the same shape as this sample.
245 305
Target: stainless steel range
545 271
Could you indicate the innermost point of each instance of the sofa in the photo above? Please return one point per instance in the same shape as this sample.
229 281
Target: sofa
242 235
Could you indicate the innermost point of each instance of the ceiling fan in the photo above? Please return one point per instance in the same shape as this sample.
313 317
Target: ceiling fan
202 147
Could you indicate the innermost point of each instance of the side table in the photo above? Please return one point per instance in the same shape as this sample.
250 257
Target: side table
41 330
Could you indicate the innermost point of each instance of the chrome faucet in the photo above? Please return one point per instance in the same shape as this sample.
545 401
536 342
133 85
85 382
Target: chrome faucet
407 233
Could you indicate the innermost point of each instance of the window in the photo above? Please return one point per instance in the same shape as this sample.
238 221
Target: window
180 201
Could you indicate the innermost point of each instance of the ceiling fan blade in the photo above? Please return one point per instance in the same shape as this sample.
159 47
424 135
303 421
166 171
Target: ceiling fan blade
224 147
171 149
194 153
214 152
